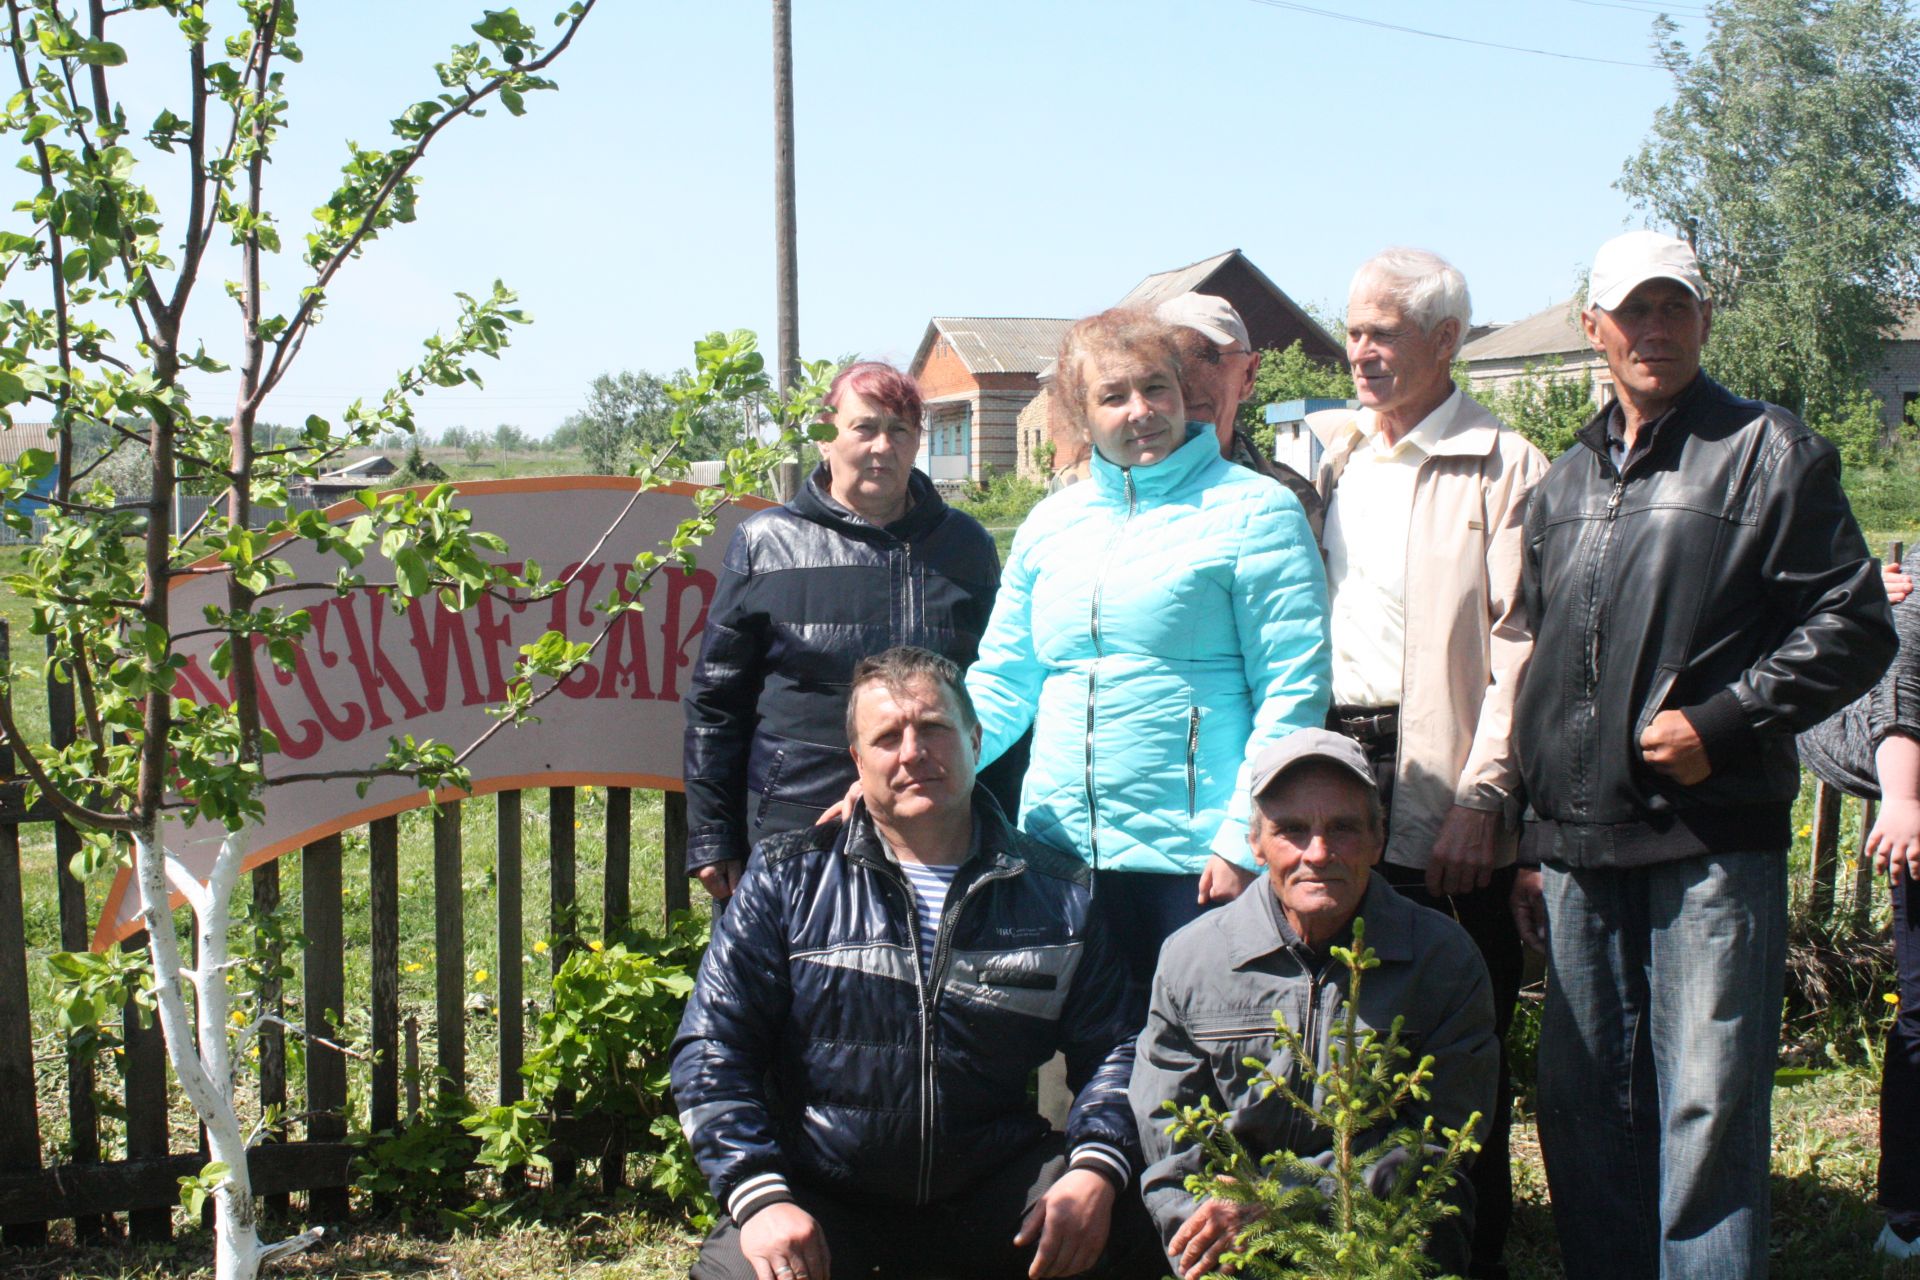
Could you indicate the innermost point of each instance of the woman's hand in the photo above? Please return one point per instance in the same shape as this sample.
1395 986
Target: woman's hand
1898 583
1894 842
1221 881
842 808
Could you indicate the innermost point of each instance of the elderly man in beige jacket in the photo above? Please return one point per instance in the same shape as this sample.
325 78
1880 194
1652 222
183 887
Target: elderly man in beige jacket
1425 494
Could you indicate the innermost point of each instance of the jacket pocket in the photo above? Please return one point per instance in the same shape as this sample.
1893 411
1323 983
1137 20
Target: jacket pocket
770 786
1657 695
1193 758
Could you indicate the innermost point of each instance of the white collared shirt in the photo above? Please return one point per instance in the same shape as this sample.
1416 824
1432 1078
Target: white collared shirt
1366 536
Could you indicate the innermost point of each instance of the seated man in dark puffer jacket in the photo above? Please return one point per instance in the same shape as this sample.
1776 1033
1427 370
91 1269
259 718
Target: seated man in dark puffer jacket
853 1068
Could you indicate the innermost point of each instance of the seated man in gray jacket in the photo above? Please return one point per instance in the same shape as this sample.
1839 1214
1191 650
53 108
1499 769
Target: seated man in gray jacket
1317 831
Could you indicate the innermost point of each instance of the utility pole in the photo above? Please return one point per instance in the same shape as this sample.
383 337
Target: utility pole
786 234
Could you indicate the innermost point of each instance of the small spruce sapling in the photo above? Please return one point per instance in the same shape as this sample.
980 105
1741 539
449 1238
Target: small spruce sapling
1330 1222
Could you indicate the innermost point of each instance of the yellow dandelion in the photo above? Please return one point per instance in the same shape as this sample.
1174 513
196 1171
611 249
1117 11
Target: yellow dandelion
119 1052
596 945
588 787
238 1019
414 966
576 826
253 1051
1806 831
1892 997
480 975
229 979
540 947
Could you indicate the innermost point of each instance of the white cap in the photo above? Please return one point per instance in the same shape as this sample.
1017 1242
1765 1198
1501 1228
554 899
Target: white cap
1212 316
1626 262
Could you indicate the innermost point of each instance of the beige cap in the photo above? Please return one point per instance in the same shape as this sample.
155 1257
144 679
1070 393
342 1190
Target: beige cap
1303 745
1626 262
1212 316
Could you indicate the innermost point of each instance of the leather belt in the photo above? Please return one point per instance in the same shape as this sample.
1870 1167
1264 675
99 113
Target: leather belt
1366 724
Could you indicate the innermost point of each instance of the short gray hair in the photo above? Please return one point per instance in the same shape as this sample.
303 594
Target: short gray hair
1428 288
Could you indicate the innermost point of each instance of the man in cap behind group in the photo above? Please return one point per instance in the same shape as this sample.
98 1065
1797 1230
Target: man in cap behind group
1217 367
1700 593
1317 830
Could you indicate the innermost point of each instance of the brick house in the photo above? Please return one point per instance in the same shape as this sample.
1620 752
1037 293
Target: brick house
1898 381
1500 354
977 374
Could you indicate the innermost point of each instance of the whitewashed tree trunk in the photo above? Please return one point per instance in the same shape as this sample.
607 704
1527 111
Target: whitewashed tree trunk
205 1070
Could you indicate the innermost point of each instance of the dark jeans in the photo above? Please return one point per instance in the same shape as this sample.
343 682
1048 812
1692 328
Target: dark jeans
1488 920
1142 908
969 1237
1656 1063
1900 1078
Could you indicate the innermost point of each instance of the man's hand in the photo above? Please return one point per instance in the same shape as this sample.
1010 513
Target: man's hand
1529 905
842 808
1671 747
783 1242
1463 851
1196 1247
721 878
1221 881
1070 1222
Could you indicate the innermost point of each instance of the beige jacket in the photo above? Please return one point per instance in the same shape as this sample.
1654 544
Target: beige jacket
1468 636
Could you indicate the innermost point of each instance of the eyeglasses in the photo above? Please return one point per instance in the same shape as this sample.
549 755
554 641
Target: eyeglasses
1208 353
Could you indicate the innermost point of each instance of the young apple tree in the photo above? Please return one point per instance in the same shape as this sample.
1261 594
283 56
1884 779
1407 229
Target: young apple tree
123 290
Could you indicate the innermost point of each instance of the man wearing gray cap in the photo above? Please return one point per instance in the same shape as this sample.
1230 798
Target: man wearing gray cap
1217 368
1317 829
1700 593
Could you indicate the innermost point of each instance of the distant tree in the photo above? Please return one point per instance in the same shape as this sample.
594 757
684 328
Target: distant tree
1791 156
1291 374
454 437
1546 404
508 438
566 435
626 420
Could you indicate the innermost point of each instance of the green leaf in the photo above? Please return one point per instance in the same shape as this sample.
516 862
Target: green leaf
102 53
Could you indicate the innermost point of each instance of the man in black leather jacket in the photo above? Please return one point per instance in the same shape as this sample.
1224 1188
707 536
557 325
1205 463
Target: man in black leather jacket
1701 593
852 1070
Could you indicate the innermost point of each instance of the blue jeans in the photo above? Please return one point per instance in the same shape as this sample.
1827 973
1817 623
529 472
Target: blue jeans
1656 1064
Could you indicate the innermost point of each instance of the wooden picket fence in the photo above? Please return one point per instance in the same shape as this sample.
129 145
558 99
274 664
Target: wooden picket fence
314 1156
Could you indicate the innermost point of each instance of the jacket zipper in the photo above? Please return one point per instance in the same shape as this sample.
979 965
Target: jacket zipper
1193 751
1596 633
1310 1052
1093 672
927 985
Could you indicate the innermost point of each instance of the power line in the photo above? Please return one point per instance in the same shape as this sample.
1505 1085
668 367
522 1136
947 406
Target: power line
1442 35
1653 7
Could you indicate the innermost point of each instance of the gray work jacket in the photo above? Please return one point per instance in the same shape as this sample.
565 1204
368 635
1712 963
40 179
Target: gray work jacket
1219 983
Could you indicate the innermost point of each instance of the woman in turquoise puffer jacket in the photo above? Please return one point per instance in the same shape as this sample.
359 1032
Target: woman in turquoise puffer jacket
1157 624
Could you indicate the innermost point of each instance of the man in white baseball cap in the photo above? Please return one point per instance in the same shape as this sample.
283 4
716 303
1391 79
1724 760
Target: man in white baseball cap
1700 593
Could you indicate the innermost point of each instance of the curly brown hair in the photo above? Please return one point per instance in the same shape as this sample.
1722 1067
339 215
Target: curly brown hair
1124 331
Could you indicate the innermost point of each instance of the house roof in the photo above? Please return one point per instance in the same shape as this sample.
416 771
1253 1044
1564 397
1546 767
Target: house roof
1160 286
378 464
21 436
1553 332
995 344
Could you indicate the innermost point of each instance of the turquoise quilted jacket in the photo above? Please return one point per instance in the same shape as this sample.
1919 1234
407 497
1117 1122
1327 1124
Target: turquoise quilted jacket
1157 626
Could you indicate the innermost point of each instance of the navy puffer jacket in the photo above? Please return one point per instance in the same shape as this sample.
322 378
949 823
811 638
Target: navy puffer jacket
814 1050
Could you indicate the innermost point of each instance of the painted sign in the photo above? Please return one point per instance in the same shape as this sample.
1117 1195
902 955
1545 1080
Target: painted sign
366 674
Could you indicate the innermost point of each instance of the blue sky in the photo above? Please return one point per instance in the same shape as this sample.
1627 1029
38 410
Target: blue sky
985 157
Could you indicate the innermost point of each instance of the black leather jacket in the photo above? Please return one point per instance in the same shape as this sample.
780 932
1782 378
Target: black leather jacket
807 590
814 1048
1722 576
